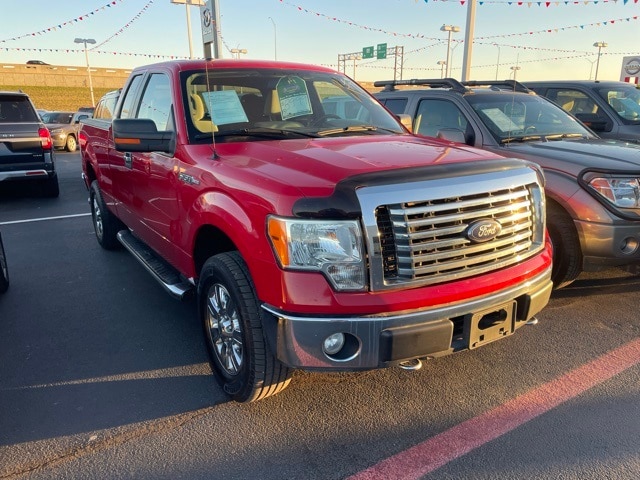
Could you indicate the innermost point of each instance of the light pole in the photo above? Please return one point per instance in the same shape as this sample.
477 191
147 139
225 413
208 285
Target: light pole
515 71
238 51
498 60
275 40
590 68
86 57
355 57
600 46
187 3
442 63
451 29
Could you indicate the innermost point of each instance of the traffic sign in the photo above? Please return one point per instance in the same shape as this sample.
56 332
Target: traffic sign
381 52
367 52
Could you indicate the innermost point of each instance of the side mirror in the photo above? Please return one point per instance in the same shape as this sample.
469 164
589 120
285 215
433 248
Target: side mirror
452 135
140 135
406 120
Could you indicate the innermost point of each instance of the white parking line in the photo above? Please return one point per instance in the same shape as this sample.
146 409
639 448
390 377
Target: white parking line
45 218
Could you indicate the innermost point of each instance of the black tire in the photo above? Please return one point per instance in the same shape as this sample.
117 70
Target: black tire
232 320
71 144
4 270
105 223
50 187
567 254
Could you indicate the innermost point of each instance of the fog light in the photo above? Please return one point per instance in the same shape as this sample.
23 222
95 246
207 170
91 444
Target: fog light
333 343
629 246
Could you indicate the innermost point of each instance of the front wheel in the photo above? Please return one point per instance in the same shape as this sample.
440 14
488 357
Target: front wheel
71 144
105 223
232 322
567 254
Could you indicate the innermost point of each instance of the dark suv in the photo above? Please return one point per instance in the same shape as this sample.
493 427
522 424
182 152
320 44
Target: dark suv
26 148
592 184
611 109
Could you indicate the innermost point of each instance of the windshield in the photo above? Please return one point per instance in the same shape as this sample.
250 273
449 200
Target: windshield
57 117
625 100
263 104
524 117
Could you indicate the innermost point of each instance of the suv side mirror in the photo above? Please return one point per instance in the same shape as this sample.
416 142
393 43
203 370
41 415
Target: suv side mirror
451 134
406 120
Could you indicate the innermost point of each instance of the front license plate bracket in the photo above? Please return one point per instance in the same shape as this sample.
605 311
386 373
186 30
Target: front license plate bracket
489 325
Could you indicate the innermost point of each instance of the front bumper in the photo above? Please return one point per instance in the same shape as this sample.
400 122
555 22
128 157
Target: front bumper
607 245
388 339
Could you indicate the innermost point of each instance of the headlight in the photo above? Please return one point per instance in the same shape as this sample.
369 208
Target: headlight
331 247
623 192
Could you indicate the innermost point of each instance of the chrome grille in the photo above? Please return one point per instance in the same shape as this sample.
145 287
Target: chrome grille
426 241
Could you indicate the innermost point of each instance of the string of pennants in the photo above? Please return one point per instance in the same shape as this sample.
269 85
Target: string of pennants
555 3
68 23
72 50
423 37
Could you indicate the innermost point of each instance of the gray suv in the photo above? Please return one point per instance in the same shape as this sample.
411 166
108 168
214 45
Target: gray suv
26 147
592 184
611 109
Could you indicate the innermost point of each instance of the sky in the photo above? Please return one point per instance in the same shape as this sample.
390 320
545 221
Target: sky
545 39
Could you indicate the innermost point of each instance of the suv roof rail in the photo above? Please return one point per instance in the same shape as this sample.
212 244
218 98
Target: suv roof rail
452 83
512 84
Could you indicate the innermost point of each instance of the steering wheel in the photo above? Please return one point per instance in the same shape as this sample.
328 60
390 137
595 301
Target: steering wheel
530 129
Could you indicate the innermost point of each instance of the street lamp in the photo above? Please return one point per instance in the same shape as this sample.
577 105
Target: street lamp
275 40
451 29
515 71
442 63
238 51
86 57
600 46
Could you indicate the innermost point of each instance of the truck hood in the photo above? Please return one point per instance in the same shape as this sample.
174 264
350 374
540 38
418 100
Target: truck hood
321 163
572 156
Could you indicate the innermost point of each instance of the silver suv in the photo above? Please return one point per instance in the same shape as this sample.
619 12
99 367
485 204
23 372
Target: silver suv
592 184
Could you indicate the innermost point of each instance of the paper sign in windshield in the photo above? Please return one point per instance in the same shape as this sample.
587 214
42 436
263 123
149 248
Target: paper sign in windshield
225 107
502 121
294 97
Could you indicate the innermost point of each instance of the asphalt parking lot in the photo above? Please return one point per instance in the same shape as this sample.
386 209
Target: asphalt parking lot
102 375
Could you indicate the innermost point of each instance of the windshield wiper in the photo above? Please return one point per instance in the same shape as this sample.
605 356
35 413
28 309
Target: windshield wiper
350 129
521 138
560 136
258 132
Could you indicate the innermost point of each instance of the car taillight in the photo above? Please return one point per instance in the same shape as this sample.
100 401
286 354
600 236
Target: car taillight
45 138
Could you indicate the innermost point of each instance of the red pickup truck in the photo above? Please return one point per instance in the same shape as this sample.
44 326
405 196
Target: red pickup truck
314 237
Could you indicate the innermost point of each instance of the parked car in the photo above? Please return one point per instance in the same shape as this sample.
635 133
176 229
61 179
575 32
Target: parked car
593 184
64 127
611 109
26 147
4 270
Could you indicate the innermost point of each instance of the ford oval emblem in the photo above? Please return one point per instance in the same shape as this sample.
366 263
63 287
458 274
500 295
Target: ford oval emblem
483 230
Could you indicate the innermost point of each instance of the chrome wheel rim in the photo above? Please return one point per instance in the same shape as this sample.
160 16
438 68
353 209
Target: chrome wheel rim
223 329
97 218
